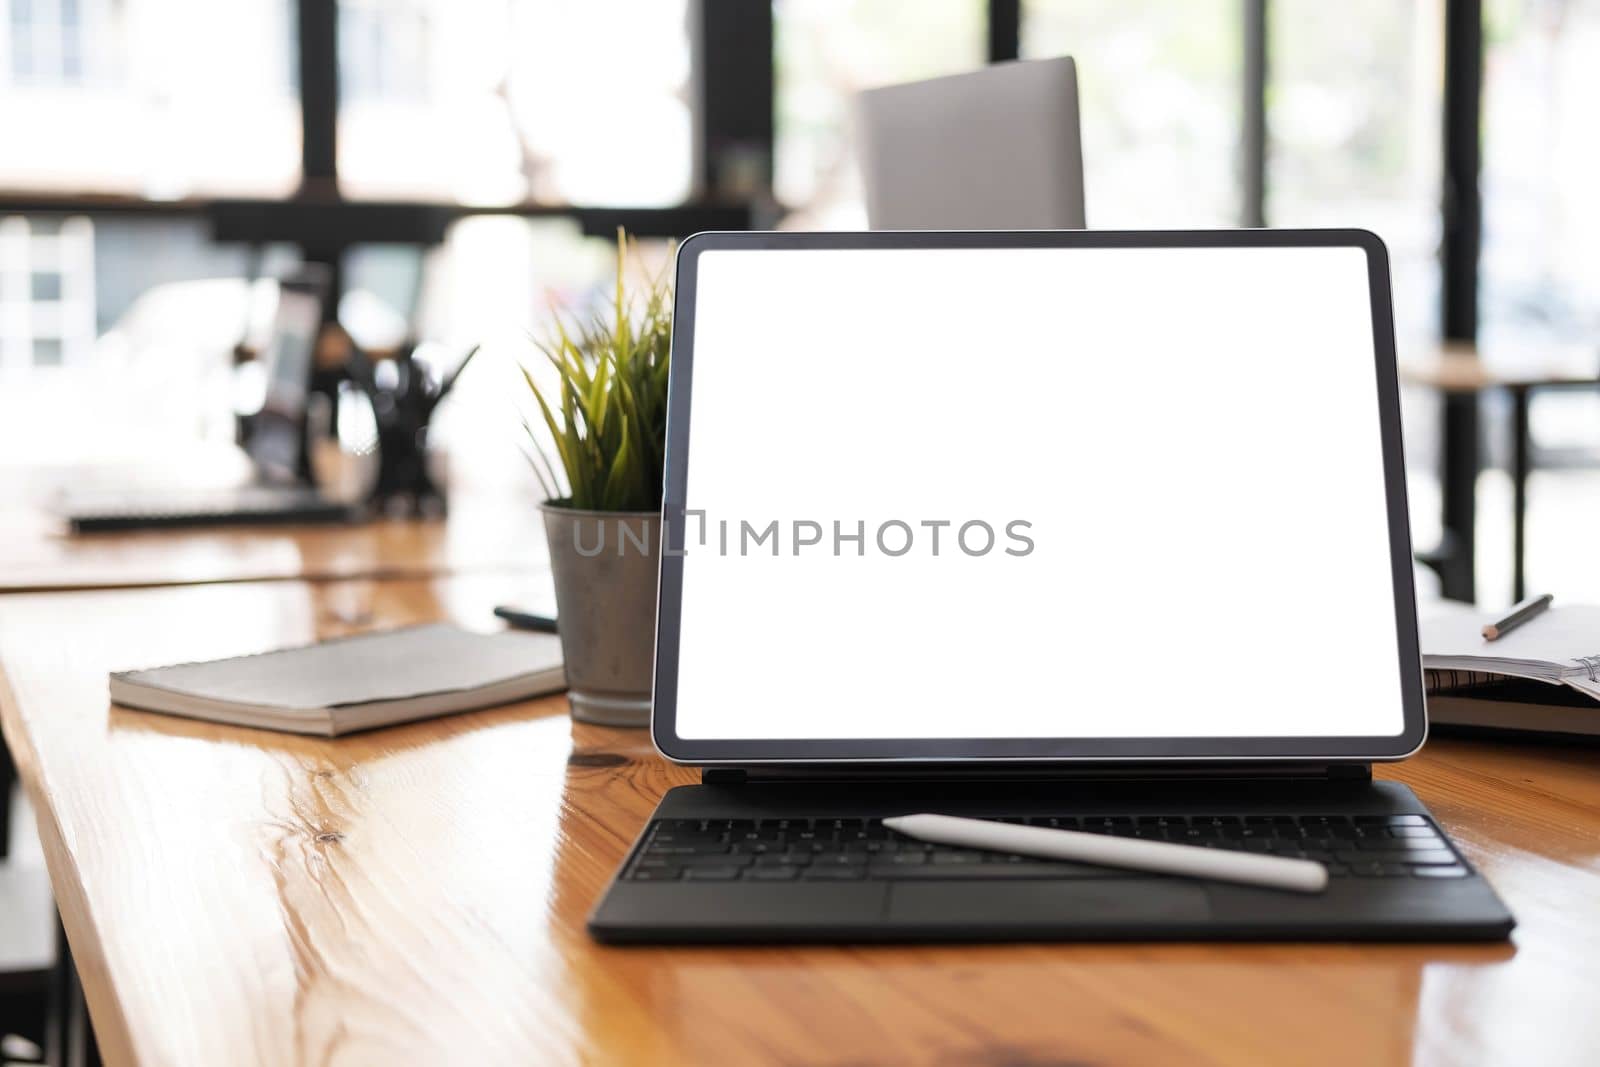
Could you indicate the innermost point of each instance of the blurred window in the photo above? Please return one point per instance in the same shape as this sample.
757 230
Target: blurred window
151 98
47 38
383 51
1159 90
1355 103
828 50
47 293
502 101
1540 273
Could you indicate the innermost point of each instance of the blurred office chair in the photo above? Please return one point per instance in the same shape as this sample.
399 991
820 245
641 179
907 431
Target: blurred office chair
996 149
27 931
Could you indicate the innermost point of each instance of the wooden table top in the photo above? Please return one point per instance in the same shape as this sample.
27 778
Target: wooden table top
1462 368
417 895
487 529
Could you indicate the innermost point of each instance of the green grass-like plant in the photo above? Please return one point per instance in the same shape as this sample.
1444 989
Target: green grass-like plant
607 414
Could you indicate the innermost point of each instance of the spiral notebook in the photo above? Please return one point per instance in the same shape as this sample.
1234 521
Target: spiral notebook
354 683
1543 676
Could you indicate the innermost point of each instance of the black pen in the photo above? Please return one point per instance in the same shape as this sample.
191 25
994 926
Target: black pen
1516 617
527 620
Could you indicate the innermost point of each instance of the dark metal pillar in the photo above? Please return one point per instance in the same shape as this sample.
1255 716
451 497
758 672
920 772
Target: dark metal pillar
1458 260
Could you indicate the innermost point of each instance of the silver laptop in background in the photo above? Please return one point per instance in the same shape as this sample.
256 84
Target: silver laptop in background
995 149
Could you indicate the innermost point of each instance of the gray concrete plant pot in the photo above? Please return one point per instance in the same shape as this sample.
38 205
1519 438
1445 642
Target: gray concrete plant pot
606 566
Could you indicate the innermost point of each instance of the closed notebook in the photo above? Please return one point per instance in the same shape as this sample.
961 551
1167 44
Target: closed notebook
354 683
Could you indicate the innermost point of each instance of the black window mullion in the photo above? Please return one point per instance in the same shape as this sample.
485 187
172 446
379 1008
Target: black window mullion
1005 30
1253 116
731 62
317 36
1461 197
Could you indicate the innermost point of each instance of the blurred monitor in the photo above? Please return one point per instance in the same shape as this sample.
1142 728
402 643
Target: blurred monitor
277 433
996 149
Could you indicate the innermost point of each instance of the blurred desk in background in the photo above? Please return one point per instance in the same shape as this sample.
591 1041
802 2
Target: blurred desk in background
487 529
418 894
1462 374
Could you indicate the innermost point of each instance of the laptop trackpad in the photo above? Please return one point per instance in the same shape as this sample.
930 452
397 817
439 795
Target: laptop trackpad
1029 902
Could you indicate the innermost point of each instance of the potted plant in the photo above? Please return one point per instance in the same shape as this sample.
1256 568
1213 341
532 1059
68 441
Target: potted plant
606 414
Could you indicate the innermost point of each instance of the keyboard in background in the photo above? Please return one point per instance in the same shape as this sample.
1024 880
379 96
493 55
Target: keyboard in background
246 506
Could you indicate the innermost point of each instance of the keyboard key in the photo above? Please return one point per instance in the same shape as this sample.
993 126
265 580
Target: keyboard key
731 860
1399 844
784 824
871 833
852 873
839 859
756 835
669 874
1437 857
783 859
992 871
1456 871
654 849
947 858
772 874
1433 856
907 859
1381 870
725 873
687 837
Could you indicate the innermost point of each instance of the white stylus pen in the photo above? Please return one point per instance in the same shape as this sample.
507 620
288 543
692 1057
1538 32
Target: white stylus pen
1161 857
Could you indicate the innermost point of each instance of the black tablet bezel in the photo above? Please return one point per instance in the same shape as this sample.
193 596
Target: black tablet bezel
1030 750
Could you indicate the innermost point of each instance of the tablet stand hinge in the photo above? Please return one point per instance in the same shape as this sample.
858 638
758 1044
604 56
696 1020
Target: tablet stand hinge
837 772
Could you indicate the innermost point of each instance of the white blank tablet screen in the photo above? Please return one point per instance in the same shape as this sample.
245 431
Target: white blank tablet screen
1055 493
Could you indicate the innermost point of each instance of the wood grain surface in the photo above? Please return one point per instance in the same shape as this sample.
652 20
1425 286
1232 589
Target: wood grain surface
489 528
417 895
1462 368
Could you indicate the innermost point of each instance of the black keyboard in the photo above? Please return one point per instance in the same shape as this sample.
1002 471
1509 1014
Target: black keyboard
782 850
244 506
